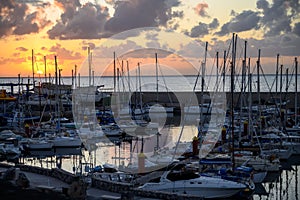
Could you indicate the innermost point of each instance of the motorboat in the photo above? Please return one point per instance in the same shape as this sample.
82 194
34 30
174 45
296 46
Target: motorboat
186 182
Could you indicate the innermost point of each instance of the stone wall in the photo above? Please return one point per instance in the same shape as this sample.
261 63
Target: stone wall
55 173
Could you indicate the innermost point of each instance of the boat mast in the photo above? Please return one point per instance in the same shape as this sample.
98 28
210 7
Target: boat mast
276 77
129 89
75 76
232 97
296 90
45 72
217 79
56 96
202 88
32 63
285 96
90 67
140 86
114 71
156 73
242 89
250 101
224 67
258 92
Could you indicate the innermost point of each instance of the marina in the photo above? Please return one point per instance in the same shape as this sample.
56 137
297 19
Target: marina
151 113
144 142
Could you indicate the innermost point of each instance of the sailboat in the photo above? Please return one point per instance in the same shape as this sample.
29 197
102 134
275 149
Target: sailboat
155 108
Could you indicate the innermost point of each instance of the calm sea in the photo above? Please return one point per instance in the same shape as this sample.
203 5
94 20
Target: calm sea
173 83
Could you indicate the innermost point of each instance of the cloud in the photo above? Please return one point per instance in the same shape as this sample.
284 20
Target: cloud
200 9
203 29
14 19
214 24
244 21
64 54
15 59
199 30
80 22
277 17
21 49
285 45
273 18
141 13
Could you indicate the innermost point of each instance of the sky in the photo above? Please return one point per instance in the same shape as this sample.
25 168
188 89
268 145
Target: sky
176 28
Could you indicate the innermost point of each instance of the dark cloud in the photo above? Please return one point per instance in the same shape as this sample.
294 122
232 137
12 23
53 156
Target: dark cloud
277 17
14 19
28 25
244 21
80 22
140 13
203 29
285 45
273 18
178 14
199 30
214 24
200 9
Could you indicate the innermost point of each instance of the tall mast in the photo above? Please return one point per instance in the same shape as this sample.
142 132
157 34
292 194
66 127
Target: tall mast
232 97
276 77
224 69
243 87
217 80
286 90
296 91
32 65
56 95
114 71
128 75
45 72
202 88
129 88
250 100
140 84
90 67
156 73
258 90
75 76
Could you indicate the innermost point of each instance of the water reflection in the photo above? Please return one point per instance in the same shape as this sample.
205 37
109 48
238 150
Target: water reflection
283 185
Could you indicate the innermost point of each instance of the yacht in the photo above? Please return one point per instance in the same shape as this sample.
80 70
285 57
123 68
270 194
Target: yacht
194 184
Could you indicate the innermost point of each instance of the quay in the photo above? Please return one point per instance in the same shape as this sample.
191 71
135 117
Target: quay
12 85
69 186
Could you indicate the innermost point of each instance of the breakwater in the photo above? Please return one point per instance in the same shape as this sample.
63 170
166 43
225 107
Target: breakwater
180 99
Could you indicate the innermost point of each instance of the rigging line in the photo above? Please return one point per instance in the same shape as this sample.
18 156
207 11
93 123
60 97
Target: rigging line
210 77
292 74
164 82
272 95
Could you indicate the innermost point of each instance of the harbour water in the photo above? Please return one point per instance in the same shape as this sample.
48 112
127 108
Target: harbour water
282 185
171 83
